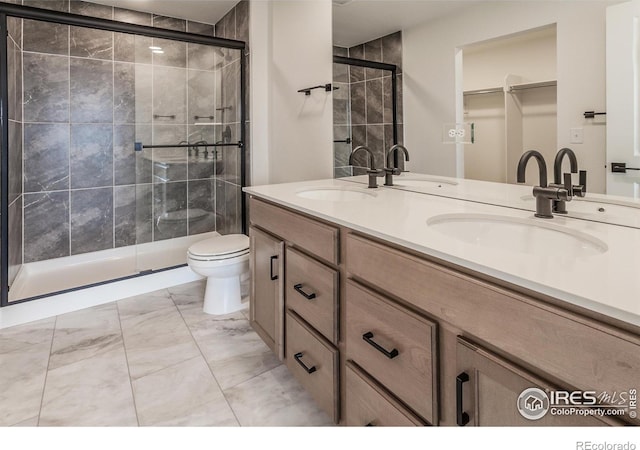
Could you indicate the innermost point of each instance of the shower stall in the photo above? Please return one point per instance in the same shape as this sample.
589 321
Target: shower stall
122 144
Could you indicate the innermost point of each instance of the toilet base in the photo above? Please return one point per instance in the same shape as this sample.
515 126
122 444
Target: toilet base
222 296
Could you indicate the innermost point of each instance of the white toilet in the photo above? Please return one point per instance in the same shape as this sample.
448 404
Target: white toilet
222 259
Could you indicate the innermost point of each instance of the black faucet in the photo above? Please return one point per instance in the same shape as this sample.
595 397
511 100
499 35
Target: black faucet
544 194
372 171
188 148
390 170
197 149
560 206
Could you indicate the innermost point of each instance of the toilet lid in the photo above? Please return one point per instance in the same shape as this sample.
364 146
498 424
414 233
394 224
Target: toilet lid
220 245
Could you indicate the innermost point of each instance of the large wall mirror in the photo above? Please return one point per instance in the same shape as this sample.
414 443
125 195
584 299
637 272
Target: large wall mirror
528 75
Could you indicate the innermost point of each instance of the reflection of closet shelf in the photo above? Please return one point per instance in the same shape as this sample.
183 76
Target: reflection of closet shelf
533 85
484 91
513 87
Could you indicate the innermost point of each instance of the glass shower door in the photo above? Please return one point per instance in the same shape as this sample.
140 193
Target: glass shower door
186 173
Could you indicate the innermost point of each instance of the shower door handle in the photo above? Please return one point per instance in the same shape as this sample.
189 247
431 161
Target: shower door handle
271 275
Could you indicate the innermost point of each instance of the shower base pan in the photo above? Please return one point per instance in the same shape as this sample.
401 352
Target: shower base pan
61 274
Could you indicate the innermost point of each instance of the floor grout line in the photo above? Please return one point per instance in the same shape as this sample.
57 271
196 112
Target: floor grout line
126 357
46 374
206 362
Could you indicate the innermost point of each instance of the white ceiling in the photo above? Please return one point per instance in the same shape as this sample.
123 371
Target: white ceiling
359 21
207 11
355 22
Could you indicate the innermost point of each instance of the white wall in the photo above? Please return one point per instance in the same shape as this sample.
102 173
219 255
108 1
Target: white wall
429 53
291 49
531 55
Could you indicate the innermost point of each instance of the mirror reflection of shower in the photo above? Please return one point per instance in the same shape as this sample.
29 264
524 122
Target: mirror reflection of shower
366 108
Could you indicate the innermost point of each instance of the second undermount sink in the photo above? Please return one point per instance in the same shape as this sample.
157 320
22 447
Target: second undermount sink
531 236
424 182
336 194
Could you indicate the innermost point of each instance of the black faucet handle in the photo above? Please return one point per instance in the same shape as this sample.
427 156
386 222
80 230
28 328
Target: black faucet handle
568 183
392 170
583 181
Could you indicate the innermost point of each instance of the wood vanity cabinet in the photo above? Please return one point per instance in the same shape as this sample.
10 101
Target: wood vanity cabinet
401 338
309 282
266 306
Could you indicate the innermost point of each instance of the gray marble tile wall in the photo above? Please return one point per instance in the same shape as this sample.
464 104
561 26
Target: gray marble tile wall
363 103
234 25
88 95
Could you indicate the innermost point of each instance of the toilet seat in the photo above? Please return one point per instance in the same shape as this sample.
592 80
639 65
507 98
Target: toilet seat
220 247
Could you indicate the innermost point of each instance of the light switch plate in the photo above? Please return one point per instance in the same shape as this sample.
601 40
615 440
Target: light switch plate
577 136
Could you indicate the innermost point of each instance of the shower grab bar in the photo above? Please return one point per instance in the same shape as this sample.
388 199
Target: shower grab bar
138 146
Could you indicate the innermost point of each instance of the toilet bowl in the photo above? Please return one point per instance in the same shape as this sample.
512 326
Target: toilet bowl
222 260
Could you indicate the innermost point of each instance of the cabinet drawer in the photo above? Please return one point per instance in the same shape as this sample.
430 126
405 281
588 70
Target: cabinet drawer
314 363
312 292
369 405
313 236
395 346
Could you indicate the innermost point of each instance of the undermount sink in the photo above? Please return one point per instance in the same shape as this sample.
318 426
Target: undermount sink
531 236
336 194
423 182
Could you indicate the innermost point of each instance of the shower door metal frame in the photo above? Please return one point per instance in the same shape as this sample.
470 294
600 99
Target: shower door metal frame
394 88
64 18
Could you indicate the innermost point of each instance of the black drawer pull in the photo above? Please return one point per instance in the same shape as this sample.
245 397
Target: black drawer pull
389 354
297 357
298 288
273 277
462 418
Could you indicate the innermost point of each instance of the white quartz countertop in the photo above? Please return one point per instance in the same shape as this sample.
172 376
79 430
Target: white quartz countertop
607 283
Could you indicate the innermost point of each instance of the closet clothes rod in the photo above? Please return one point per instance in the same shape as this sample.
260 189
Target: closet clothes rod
516 87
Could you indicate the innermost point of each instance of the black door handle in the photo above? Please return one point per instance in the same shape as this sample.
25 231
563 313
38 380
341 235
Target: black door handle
462 418
298 357
273 277
368 336
298 288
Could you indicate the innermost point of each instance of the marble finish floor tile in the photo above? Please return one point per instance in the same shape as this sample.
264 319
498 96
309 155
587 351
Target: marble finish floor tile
24 357
15 338
275 398
185 394
24 376
155 340
30 422
155 359
85 334
91 392
248 357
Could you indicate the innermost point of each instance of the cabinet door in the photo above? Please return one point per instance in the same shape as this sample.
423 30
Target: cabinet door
488 389
266 307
